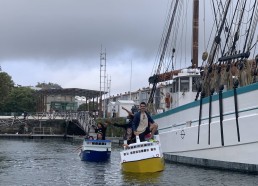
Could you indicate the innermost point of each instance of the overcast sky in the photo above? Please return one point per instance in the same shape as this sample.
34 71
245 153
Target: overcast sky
59 41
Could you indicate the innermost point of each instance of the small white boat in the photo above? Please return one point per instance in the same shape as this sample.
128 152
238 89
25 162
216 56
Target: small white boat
142 156
95 150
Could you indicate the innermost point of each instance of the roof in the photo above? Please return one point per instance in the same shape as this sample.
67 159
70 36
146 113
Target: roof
111 103
126 101
71 92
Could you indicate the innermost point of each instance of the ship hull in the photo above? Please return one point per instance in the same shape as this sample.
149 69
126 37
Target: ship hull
143 157
95 150
218 136
145 165
95 156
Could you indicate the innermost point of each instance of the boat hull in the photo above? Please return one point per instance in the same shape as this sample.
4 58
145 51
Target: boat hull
145 165
95 150
219 142
95 156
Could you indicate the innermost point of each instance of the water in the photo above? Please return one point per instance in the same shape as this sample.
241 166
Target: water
55 162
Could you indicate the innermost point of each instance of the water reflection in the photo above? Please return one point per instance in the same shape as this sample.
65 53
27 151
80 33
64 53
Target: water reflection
55 163
96 171
142 178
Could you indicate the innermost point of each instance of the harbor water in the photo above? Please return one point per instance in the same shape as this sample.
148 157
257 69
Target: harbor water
56 162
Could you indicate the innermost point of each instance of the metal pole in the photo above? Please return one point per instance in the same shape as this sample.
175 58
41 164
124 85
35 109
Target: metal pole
104 97
131 80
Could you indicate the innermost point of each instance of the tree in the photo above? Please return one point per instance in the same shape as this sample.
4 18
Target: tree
6 85
20 99
88 107
48 85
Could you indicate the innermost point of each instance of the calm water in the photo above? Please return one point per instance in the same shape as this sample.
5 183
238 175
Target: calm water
55 162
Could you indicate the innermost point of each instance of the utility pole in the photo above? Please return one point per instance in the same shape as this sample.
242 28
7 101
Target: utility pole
102 106
108 90
131 80
108 85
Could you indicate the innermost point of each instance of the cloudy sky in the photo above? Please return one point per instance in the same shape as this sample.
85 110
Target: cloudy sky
59 41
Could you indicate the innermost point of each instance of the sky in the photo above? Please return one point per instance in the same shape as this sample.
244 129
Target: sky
60 41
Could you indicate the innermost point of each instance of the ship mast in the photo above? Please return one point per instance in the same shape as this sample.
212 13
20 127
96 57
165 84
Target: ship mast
195 33
155 77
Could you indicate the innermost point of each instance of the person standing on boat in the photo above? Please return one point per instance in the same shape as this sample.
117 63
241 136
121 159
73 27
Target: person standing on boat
143 124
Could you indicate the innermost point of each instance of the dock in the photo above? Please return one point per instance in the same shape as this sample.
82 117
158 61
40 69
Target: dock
117 140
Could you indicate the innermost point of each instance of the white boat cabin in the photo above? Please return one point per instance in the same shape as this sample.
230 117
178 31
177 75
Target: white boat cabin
181 91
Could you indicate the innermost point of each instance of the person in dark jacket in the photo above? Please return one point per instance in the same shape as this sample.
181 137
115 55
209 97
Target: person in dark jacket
101 128
129 135
143 124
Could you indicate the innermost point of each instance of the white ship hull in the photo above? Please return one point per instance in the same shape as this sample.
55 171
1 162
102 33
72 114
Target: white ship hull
178 129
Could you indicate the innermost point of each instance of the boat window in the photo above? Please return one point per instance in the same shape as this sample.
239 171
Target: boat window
184 84
195 83
175 85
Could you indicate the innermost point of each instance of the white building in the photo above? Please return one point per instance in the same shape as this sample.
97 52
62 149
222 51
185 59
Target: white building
128 104
111 109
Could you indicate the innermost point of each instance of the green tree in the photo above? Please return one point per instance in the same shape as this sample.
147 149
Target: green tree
20 99
48 85
89 106
6 85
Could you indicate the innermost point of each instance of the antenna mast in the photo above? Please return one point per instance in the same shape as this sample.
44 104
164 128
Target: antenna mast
102 82
131 80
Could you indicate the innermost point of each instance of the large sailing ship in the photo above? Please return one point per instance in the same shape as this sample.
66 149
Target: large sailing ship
211 109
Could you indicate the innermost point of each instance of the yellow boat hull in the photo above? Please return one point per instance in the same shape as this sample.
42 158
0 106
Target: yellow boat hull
146 165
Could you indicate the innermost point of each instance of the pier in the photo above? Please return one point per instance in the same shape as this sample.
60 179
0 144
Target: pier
45 125
116 140
81 119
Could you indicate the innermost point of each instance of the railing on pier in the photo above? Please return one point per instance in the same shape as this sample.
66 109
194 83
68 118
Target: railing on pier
82 119
42 130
